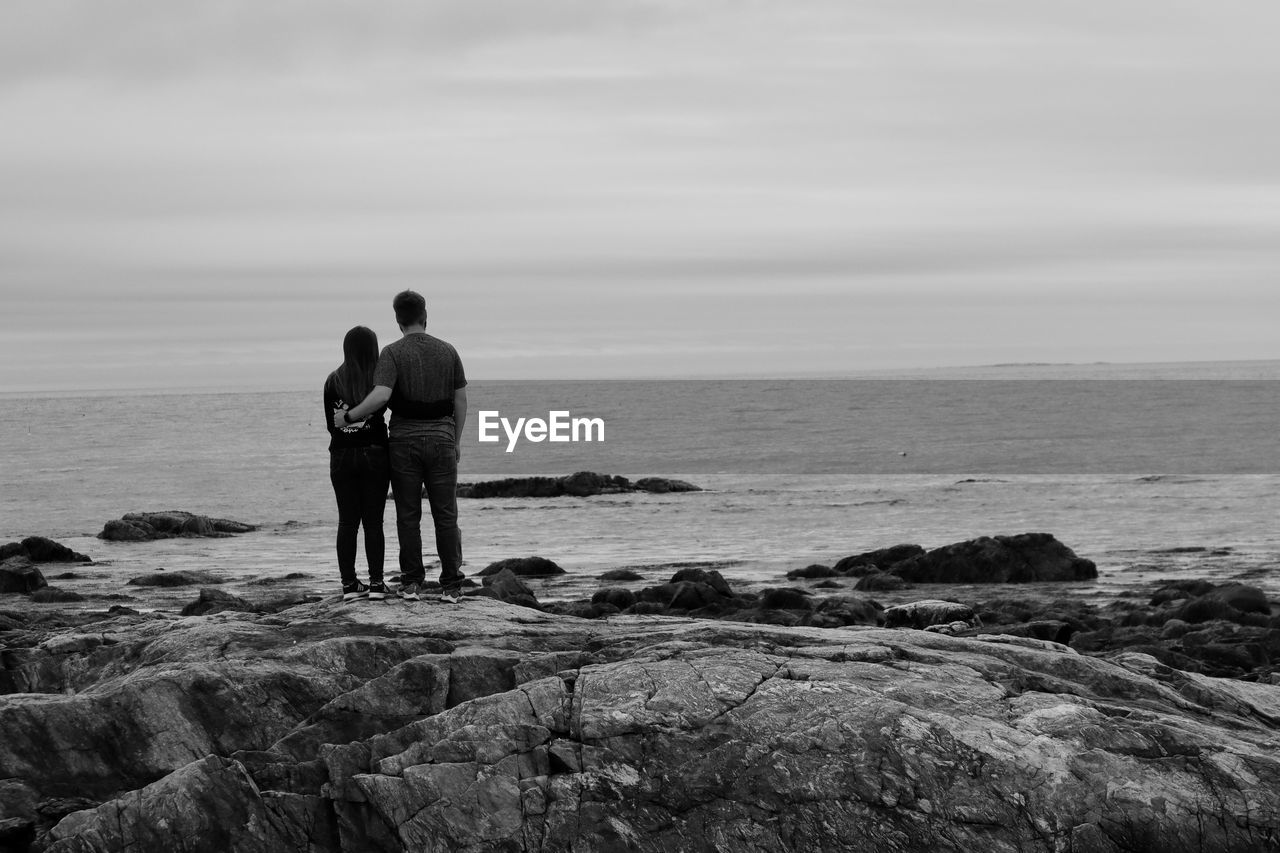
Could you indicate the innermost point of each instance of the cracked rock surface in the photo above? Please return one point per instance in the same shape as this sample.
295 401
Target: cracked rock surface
333 727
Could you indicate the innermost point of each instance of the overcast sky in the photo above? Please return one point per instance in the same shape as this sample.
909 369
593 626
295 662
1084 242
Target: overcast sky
210 194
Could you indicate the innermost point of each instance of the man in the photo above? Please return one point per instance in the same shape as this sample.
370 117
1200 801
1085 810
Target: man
420 378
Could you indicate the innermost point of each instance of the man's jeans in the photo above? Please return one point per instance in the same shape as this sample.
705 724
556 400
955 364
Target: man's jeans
433 463
359 476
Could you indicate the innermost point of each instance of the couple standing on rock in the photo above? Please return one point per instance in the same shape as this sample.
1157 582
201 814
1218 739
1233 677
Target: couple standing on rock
420 378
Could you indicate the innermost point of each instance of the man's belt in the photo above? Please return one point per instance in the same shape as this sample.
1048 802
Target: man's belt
417 410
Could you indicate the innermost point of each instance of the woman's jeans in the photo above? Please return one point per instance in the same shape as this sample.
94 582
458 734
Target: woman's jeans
360 476
426 463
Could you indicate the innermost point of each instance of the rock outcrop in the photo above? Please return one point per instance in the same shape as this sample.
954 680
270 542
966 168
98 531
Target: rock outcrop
146 526
40 549
1025 558
581 484
529 567
334 727
19 574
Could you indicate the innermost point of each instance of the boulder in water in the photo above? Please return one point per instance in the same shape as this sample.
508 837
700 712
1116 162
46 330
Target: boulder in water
1023 558
19 574
42 550
529 567
145 526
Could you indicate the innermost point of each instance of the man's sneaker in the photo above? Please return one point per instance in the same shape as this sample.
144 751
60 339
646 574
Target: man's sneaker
451 596
354 590
378 591
410 591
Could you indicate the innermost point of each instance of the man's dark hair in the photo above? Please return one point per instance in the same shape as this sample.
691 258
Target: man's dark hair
410 308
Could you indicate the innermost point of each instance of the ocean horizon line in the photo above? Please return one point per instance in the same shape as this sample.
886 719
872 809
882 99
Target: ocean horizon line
1030 370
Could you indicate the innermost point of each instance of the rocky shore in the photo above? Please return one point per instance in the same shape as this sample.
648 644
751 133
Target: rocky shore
681 714
148 526
581 484
487 726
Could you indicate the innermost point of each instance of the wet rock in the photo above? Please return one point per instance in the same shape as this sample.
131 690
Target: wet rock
182 578
621 575
119 530
681 595
922 614
217 601
844 610
145 526
998 559
710 578
880 582
1183 589
19 574
815 570
1241 597
42 550
274 580
785 598
524 567
663 485
505 586
580 484
618 596
881 559
54 595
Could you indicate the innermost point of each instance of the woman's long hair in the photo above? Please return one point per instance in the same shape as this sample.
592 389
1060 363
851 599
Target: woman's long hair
359 357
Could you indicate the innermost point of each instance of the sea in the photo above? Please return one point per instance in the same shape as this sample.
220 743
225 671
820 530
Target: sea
1155 472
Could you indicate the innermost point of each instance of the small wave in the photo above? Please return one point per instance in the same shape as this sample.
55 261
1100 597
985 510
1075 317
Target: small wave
686 564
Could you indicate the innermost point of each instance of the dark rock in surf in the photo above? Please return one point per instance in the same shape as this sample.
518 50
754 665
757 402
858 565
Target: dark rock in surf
663 485
146 526
175 579
1180 590
881 559
527 567
1238 597
815 570
1027 557
621 575
684 595
505 586
54 595
843 610
617 596
880 582
711 578
19 574
785 598
42 550
580 484
217 601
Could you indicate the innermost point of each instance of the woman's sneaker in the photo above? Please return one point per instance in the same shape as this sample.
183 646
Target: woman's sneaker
410 591
354 590
378 591
451 595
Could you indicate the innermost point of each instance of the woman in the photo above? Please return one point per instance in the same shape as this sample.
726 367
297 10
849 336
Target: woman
358 466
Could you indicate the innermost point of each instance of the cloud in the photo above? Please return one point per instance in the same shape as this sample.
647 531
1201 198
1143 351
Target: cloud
574 156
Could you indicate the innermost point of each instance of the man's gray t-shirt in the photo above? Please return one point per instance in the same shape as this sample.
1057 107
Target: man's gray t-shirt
420 369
